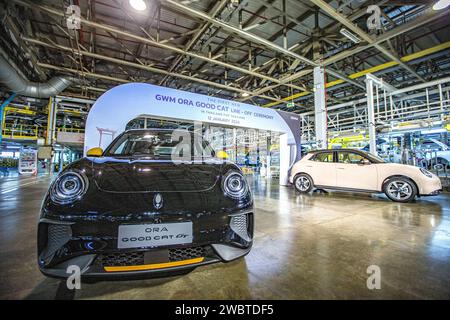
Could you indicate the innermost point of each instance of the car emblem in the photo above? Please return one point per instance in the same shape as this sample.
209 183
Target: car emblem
158 201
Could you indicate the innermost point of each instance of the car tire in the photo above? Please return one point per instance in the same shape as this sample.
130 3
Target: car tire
303 183
400 189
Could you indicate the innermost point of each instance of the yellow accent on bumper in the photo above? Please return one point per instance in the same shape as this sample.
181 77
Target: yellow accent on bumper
154 265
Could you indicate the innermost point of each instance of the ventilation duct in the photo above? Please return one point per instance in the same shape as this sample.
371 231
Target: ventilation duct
21 86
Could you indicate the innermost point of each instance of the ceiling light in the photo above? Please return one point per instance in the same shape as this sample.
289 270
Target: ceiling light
441 4
245 94
352 37
138 5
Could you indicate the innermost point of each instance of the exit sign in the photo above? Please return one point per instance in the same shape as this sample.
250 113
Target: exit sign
290 105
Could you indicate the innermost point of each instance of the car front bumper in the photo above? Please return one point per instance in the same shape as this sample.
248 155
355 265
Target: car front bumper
91 246
92 266
430 186
433 193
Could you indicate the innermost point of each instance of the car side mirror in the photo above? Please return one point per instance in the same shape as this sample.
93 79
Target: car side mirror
364 162
95 152
222 154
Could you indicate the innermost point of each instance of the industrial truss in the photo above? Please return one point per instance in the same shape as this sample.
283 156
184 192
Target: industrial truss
422 106
262 52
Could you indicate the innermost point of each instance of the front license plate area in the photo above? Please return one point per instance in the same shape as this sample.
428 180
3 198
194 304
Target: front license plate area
154 235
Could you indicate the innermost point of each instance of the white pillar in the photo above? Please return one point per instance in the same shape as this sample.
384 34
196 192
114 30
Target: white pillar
51 121
51 129
371 117
441 100
285 154
320 110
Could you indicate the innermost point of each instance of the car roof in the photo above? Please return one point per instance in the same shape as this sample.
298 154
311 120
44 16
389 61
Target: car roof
149 129
331 150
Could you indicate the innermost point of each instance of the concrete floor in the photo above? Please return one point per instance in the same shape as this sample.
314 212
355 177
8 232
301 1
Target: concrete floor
314 246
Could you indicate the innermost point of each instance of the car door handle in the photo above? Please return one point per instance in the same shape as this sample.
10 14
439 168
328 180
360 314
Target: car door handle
341 168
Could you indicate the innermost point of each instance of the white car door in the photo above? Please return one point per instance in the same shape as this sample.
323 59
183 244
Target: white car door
322 169
355 171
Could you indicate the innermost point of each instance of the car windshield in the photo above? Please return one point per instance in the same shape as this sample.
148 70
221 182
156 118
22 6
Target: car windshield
160 145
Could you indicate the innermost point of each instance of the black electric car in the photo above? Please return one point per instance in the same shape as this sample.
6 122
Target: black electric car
150 204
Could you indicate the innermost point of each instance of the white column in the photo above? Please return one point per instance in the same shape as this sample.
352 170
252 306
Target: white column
51 121
285 154
51 129
371 117
320 111
441 100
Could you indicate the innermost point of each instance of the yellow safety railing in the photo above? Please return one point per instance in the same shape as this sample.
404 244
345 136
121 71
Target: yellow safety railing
76 130
20 132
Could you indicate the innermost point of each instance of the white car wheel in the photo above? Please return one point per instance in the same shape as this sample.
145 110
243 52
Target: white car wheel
400 189
303 183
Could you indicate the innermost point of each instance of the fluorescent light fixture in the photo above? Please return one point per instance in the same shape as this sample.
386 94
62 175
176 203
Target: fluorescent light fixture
245 94
138 5
253 26
441 4
352 37
433 131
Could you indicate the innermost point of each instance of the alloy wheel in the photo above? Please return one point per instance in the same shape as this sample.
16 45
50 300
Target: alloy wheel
400 190
302 183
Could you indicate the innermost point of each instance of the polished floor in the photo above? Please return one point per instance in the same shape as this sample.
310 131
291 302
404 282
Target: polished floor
316 246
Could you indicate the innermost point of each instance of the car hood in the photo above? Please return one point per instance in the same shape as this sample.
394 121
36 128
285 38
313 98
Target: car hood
399 169
131 175
398 166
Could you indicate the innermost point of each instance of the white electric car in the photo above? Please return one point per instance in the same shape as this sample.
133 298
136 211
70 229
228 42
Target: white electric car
358 171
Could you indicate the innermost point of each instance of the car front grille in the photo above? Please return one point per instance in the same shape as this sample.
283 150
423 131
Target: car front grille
57 236
239 224
134 258
180 254
123 259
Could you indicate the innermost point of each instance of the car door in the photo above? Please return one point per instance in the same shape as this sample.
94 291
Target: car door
322 168
355 171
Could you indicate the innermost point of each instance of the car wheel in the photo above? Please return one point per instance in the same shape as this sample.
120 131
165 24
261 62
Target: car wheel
400 189
303 183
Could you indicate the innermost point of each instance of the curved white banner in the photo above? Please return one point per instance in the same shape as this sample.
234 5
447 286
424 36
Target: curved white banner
112 111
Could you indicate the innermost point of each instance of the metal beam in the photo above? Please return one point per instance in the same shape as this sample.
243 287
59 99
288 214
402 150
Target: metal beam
359 13
371 116
56 12
244 34
427 17
342 19
218 7
424 19
140 66
243 25
235 30
320 109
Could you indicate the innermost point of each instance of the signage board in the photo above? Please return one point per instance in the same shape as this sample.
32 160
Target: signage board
112 111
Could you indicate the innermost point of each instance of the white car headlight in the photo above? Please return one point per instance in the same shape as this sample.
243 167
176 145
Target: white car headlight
426 172
234 185
69 187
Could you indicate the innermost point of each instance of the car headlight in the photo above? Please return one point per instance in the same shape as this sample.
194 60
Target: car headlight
69 187
234 185
426 172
